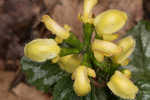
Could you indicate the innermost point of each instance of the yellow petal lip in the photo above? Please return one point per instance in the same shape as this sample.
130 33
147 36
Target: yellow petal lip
110 21
127 44
82 84
70 62
127 73
98 56
121 86
40 50
55 28
105 47
125 62
91 72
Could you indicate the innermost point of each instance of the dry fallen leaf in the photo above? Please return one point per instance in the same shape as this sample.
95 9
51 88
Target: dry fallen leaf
21 92
29 93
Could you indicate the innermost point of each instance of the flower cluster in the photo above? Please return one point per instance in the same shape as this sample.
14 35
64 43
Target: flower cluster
105 45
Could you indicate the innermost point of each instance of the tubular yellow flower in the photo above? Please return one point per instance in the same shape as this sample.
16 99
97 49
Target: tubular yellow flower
87 11
70 62
110 37
40 50
82 84
121 86
99 56
127 44
62 33
110 21
105 47
127 73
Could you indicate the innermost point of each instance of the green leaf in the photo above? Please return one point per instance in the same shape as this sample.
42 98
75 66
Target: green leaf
41 75
105 94
63 90
140 63
92 94
66 51
74 41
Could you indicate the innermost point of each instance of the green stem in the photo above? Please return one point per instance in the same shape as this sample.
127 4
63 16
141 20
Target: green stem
74 41
67 51
87 30
93 97
86 60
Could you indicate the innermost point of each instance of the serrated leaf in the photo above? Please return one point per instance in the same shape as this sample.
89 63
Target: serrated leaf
41 75
63 90
140 63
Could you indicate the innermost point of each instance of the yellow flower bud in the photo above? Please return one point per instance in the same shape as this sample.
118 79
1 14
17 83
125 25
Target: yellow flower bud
110 37
91 72
105 47
82 84
62 33
87 11
70 62
55 60
110 21
125 62
127 73
40 50
127 44
121 86
98 56
58 39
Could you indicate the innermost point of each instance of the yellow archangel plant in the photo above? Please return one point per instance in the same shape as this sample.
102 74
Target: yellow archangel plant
79 63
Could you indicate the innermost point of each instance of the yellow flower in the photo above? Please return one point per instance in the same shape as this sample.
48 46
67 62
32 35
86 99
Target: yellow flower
98 56
60 32
110 21
127 73
127 44
87 11
125 62
105 47
40 50
110 37
70 62
121 86
82 83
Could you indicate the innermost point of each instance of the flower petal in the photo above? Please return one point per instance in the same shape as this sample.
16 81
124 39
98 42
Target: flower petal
110 21
41 49
121 86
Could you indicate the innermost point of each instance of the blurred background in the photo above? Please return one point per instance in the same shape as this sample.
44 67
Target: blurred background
20 23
